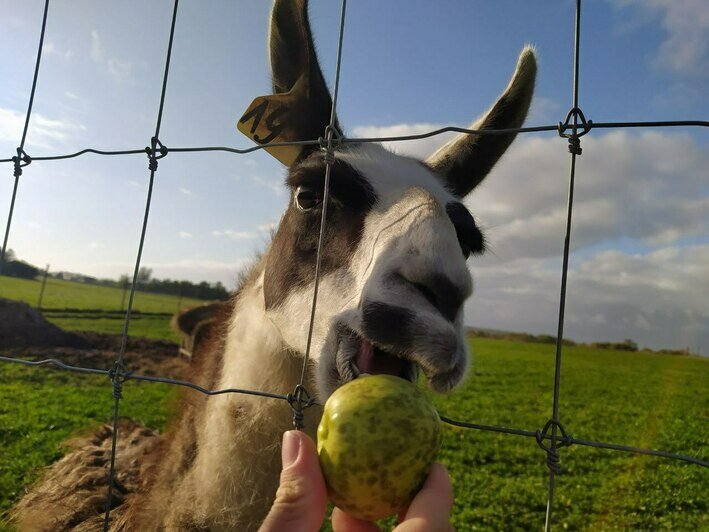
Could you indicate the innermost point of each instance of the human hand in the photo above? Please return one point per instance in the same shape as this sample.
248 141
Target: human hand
430 511
301 498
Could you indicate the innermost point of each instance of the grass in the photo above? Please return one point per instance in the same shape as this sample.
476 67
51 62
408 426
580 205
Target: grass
645 400
500 481
68 294
156 327
40 409
60 294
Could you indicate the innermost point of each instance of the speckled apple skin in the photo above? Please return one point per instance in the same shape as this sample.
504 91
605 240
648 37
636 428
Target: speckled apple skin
377 440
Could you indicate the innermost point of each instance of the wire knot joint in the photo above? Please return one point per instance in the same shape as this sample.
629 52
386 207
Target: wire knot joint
118 375
156 147
18 161
557 441
575 120
329 143
299 400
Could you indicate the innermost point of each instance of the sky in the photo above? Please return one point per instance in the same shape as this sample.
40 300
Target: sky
640 239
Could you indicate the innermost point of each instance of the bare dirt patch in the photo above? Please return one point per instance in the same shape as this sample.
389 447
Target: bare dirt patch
24 333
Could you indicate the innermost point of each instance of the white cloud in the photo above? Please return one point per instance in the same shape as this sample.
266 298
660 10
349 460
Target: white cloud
49 48
277 187
184 234
544 111
268 227
650 188
657 299
685 49
235 235
120 70
43 132
186 191
70 95
418 148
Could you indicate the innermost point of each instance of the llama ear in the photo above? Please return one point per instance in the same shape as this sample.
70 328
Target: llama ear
296 71
465 161
301 104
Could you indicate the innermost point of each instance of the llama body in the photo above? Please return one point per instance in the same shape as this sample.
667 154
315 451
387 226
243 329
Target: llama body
221 466
394 280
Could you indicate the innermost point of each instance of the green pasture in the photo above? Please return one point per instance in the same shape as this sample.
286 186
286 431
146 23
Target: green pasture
68 294
500 481
60 294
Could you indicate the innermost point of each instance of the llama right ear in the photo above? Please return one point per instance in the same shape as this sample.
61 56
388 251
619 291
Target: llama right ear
465 161
301 105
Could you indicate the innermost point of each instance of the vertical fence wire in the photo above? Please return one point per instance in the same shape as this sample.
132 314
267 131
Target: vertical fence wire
21 156
120 374
327 145
553 455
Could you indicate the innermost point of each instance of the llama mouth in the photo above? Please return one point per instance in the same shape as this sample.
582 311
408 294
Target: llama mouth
359 356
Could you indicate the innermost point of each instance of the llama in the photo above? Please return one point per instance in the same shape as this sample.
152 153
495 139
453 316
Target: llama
394 280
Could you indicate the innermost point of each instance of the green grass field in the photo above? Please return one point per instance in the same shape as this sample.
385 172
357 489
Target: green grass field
61 294
500 481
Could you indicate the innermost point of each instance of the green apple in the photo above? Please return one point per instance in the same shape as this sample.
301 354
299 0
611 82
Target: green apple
377 440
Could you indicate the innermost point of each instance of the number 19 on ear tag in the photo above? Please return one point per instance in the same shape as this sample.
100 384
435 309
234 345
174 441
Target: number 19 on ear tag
266 122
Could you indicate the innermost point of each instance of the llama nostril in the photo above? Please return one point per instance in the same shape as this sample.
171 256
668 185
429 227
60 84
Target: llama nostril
441 293
427 293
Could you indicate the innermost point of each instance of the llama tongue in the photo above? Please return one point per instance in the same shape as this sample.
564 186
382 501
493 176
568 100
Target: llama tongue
374 361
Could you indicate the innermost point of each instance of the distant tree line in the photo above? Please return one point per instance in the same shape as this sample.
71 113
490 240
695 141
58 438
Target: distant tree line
626 345
13 267
202 290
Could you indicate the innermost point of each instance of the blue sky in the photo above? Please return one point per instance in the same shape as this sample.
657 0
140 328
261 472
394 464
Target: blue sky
641 237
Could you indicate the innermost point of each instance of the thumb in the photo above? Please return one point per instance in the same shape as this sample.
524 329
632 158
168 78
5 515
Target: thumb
302 495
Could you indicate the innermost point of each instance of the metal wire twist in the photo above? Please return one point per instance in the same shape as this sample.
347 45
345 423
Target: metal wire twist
118 375
553 459
299 400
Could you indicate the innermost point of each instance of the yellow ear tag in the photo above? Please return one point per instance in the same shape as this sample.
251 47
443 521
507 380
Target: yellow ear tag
266 121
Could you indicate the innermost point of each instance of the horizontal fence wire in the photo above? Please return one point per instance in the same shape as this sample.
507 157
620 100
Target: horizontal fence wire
59 365
358 140
330 141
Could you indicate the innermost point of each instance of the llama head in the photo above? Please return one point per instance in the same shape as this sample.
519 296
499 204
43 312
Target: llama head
393 274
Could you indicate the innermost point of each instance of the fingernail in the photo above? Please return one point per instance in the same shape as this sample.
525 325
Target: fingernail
290 448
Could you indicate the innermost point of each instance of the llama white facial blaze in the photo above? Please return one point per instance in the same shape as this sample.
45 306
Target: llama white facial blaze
378 437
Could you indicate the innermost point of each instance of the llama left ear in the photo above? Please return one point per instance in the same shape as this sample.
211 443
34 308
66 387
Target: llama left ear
301 104
465 161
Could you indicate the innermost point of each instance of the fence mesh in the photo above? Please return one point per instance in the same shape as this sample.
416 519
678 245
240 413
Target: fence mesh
551 438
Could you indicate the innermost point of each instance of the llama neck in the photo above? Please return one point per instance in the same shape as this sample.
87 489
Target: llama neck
238 463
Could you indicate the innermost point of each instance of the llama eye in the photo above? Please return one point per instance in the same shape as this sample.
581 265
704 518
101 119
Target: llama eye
307 198
469 236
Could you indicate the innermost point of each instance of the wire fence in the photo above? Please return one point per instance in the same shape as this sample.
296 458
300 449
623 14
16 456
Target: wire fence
551 438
